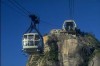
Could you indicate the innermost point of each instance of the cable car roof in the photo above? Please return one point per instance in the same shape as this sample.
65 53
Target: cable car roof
66 21
69 21
31 34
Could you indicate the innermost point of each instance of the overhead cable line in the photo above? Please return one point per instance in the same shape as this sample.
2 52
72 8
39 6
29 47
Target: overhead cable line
71 9
21 6
23 9
17 6
29 13
13 8
50 23
25 12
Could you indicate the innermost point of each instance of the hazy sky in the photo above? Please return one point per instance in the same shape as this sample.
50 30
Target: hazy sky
52 14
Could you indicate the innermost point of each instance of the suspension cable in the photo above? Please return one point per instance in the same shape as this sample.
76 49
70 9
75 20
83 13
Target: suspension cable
21 6
71 9
13 8
50 23
21 9
26 12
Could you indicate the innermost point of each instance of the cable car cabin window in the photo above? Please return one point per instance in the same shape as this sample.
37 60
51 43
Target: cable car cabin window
36 43
25 43
37 37
30 43
70 24
25 36
30 37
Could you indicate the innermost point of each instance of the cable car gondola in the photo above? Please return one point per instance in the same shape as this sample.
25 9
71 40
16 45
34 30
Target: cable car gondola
69 26
33 41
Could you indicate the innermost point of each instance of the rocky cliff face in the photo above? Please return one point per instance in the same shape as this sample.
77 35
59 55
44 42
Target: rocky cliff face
65 49
95 60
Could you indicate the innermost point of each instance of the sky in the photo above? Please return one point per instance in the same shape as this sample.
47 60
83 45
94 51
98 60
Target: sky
52 14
